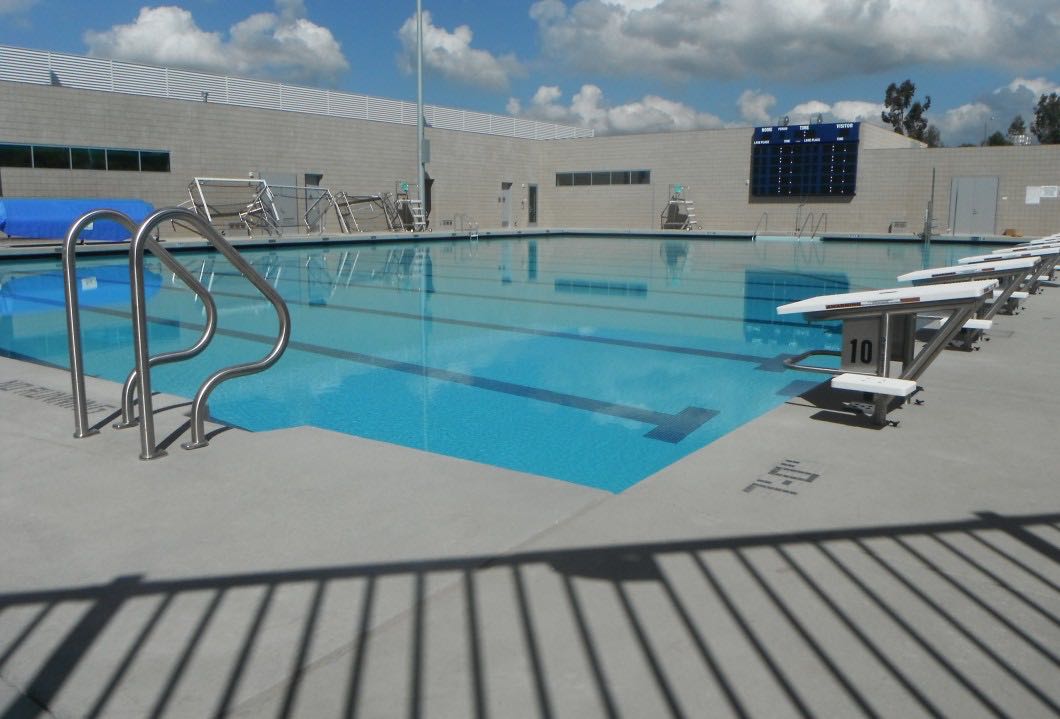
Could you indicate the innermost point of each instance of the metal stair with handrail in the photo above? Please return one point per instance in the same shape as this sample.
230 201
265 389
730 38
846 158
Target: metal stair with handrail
139 379
73 314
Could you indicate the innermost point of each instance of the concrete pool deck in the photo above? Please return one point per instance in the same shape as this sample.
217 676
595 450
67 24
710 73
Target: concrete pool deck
804 564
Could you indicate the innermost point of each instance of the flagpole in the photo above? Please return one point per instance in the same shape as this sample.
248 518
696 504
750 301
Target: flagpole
419 105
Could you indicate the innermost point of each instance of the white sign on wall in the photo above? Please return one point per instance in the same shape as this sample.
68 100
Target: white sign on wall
1036 193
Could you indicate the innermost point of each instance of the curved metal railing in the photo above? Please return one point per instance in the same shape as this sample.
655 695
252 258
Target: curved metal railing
822 223
142 380
763 222
73 312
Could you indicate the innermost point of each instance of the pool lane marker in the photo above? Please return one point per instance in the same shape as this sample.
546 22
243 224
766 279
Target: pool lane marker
671 428
765 364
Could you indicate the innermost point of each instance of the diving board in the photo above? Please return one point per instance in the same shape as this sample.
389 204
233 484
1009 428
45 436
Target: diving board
879 327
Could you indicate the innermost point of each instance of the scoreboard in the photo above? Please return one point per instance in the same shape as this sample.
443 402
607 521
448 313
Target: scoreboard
819 160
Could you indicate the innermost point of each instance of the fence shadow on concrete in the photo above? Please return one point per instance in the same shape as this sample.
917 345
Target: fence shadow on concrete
946 619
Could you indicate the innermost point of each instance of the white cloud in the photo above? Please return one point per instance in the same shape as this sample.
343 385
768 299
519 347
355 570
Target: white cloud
856 111
967 123
756 108
284 46
687 39
1037 86
588 108
841 111
755 105
451 55
547 94
993 111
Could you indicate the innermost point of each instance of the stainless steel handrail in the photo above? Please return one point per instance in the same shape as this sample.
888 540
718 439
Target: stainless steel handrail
148 449
765 218
73 310
800 231
821 220
128 390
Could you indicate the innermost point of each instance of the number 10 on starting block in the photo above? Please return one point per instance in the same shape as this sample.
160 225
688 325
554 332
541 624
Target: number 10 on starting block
865 338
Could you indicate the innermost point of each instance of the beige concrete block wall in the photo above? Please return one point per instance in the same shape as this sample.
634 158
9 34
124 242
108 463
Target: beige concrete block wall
713 166
363 157
213 140
1016 167
468 170
893 189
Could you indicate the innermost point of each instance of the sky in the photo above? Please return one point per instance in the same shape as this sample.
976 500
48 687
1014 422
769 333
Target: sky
617 66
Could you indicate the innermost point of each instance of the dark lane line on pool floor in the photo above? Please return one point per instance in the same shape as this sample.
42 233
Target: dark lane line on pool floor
671 428
767 364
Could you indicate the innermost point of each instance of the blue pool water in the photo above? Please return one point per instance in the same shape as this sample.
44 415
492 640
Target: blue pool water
590 360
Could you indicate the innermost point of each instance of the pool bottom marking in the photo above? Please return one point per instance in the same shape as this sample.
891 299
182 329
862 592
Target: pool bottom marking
783 477
671 428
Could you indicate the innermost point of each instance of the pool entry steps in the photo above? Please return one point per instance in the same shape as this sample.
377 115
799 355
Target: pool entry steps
139 379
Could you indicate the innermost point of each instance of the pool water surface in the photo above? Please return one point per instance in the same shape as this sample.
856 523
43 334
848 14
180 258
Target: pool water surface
589 360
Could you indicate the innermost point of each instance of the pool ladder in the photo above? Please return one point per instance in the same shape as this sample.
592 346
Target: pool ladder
139 379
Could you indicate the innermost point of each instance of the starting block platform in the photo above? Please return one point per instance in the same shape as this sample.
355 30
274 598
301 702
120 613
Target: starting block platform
1009 274
879 328
1046 256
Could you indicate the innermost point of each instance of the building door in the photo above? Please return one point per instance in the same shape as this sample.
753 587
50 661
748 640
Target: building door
973 205
506 204
531 205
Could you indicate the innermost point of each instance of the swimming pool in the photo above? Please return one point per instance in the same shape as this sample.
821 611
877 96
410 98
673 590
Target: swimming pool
590 360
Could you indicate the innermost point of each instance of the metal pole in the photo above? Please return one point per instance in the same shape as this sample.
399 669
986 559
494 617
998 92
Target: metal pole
929 216
73 315
419 105
148 449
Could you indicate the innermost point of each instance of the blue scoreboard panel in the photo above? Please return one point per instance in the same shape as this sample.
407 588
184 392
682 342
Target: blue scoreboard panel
805 160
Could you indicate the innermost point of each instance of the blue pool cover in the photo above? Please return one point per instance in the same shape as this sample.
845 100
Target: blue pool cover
50 218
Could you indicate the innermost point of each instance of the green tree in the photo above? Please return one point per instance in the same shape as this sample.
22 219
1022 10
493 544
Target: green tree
904 114
932 137
997 139
1017 126
1046 125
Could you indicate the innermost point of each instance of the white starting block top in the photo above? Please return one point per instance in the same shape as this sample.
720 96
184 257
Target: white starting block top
968 271
1012 255
911 297
1055 237
1026 246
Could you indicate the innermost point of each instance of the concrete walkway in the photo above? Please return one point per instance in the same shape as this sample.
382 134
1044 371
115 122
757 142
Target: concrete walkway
805 564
